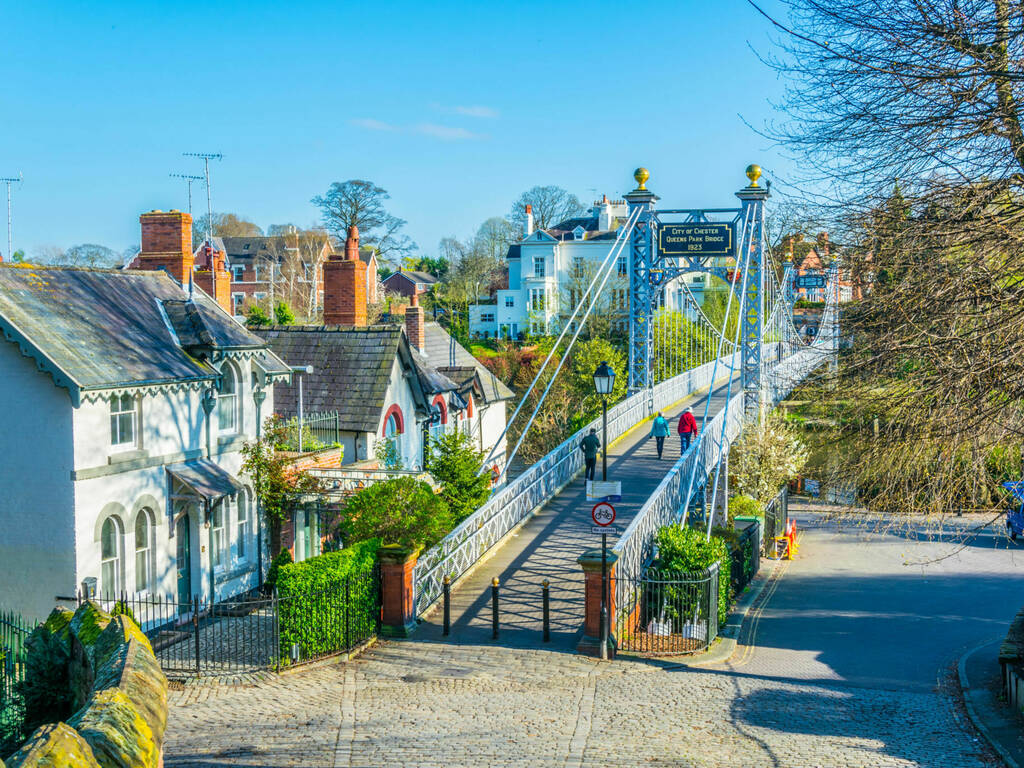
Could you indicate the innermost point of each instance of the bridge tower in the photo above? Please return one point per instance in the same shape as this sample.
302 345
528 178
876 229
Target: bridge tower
752 199
641 293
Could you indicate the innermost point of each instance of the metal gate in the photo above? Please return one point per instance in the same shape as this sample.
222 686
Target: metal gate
665 612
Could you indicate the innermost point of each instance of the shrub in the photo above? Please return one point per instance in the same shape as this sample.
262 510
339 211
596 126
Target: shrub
686 550
454 464
284 557
283 314
328 600
256 317
745 506
400 511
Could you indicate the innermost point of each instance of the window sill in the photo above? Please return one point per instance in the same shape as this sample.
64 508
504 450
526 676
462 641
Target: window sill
131 454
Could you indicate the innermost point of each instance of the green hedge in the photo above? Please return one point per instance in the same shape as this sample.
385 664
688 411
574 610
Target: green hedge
328 603
686 550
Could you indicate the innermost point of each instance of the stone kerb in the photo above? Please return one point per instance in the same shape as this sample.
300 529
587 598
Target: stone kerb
117 693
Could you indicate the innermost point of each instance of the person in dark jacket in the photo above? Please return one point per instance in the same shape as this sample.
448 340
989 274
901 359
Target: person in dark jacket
687 430
590 445
659 431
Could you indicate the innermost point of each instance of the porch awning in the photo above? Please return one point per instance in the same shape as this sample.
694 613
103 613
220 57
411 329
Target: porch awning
207 479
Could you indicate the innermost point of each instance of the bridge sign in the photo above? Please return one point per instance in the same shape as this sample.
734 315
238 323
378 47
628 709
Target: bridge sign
809 281
603 513
697 239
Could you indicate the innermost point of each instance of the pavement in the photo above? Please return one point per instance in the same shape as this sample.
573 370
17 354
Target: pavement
847 657
980 681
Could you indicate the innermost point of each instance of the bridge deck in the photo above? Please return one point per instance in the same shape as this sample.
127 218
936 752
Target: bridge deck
547 546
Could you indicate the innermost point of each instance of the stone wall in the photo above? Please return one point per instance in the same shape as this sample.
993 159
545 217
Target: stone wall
116 692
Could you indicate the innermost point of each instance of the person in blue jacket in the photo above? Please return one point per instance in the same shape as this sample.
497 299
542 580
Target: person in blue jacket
659 431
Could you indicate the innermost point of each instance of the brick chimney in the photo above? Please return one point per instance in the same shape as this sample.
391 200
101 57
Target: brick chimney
823 243
345 285
414 323
167 243
214 277
528 229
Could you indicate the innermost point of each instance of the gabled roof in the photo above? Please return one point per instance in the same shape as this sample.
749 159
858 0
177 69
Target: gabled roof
413 277
97 329
351 370
565 230
446 354
277 247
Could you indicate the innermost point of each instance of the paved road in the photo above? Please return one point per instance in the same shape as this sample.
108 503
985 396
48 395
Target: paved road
547 547
843 663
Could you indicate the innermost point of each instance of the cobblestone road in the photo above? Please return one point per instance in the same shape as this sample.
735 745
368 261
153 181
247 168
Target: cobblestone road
842 663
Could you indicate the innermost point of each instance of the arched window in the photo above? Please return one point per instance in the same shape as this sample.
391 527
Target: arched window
393 423
143 551
218 532
438 417
111 566
227 400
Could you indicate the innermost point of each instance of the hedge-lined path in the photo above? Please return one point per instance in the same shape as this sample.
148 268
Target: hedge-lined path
547 546
847 668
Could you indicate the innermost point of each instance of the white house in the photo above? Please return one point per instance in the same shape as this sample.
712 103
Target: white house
127 400
550 269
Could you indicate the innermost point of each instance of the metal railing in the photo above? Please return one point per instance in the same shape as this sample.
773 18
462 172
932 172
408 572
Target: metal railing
348 480
512 503
745 556
664 612
14 631
254 632
776 517
319 430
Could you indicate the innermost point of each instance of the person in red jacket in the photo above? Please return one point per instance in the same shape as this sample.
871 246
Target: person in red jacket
687 430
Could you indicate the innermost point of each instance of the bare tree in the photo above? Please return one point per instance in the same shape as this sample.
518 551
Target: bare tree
361 203
224 225
551 205
927 93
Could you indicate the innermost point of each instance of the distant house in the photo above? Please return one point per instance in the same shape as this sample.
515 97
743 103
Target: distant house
409 283
128 400
401 383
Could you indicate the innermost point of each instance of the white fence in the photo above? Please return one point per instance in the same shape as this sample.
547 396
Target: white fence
513 503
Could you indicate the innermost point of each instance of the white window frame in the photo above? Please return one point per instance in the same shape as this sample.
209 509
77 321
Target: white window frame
620 264
541 262
115 561
219 514
510 301
238 273
118 414
242 548
226 401
486 317
147 570
538 300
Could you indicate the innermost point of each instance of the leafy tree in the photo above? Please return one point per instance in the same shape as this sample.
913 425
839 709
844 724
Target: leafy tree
401 510
766 456
18 256
361 203
454 463
586 357
278 487
224 225
256 316
283 314
551 205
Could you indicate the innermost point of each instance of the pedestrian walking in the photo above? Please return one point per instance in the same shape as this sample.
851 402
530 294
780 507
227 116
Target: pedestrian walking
687 429
589 446
659 431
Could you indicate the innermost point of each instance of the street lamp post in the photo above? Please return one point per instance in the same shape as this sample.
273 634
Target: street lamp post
300 369
604 382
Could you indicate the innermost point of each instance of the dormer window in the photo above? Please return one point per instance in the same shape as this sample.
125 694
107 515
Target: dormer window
578 232
245 247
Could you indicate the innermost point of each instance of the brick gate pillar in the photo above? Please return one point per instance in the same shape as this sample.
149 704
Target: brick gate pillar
590 643
398 616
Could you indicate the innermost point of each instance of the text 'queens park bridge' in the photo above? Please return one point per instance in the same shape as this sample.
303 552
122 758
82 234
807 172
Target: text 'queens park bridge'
535 526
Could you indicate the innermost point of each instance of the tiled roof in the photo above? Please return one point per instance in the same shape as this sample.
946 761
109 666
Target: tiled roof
564 229
413 277
351 370
443 352
101 329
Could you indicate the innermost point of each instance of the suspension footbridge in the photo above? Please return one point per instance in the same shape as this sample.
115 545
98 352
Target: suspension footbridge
534 526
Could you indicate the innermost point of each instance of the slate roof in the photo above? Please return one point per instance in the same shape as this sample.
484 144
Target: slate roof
95 329
443 353
514 252
351 370
413 277
564 229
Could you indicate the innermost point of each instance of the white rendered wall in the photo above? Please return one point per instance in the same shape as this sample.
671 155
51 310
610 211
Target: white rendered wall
410 442
37 545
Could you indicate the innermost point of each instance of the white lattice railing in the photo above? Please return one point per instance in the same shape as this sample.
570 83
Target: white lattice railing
466 544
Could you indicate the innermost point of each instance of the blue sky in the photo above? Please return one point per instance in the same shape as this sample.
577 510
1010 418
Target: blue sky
454 108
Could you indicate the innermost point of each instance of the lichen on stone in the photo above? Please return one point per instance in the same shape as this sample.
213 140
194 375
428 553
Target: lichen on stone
57 745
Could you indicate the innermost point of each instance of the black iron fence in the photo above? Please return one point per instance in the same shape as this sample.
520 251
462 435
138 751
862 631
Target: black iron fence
254 632
319 430
14 631
666 612
745 556
776 518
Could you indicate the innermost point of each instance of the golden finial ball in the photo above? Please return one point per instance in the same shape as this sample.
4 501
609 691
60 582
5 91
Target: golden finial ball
641 175
753 173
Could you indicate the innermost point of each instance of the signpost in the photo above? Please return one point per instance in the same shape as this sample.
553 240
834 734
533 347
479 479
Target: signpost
697 239
603 514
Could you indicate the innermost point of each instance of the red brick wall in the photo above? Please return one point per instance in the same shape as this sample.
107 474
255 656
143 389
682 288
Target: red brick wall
167 243
344 293
414 326
220 289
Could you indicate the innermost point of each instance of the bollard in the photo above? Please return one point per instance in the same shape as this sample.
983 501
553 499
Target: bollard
547 611
447 605
494 608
